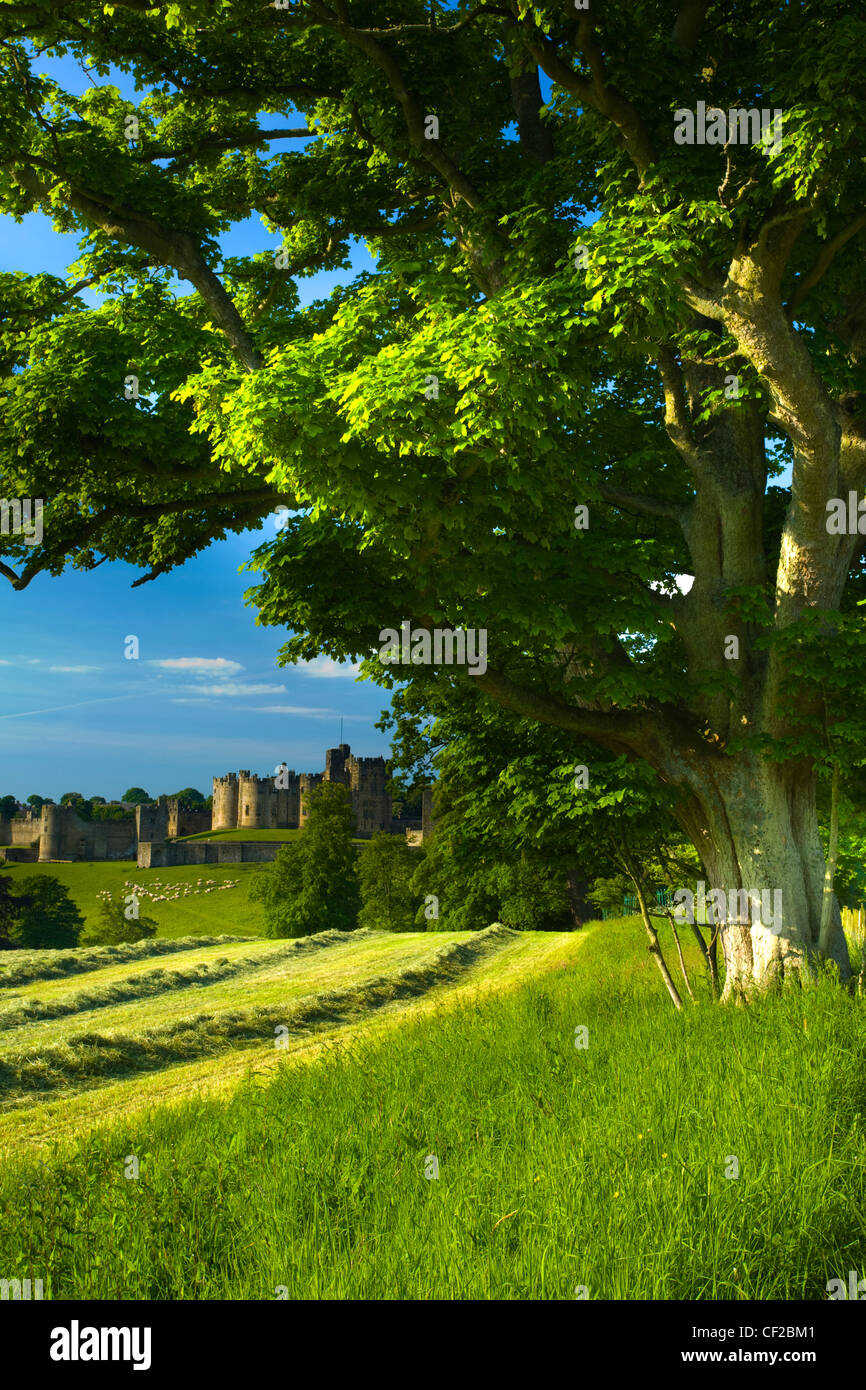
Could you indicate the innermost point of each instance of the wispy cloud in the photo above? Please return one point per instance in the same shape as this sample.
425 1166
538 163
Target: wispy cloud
75 669
79 704
233 688
206 665
324 667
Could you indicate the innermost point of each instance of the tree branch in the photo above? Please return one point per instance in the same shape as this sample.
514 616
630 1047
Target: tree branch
175 249
822 264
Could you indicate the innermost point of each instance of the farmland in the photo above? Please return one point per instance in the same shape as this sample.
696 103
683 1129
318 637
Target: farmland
325 1076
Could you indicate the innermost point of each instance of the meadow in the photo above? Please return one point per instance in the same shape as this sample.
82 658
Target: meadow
432 1128
183 907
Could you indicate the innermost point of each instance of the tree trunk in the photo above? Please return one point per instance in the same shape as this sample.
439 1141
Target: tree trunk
673 927
830 871
654 947
755 827
576 888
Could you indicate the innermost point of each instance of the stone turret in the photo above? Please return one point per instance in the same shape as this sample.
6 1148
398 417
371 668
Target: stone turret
254 801
225 802
50 833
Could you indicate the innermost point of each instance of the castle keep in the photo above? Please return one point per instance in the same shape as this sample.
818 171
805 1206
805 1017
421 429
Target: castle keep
244 802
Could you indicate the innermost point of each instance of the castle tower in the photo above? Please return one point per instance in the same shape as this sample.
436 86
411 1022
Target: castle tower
50 833
370 802
151 821
309 782
335 764
254 801
225 802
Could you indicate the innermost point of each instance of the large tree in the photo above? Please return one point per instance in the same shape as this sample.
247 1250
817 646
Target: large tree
572 307
312 885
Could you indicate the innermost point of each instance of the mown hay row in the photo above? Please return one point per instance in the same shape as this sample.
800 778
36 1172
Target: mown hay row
29 966
156 982
91 1058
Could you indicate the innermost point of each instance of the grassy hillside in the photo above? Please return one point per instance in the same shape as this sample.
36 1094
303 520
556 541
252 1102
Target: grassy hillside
174 898
609 1168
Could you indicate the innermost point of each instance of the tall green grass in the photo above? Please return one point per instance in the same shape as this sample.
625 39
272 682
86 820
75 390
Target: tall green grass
559 1167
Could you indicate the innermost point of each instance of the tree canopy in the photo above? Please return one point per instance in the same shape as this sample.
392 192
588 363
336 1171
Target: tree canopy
589 350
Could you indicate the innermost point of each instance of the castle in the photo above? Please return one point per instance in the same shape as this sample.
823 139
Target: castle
241 801
244 802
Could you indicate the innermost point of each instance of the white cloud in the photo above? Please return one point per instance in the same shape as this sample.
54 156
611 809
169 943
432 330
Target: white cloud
326 667
233 688
206 665
76 669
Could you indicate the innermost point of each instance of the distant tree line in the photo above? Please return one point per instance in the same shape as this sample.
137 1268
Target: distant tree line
96 808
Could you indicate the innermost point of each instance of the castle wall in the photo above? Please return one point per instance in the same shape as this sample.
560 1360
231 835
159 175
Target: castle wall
187 820
21 854
66 836
21 830
166 856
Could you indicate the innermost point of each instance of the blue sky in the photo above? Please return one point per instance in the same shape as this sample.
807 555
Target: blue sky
205 696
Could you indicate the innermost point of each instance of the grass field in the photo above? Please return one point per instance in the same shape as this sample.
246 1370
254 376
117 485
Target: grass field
716 1153
225 910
